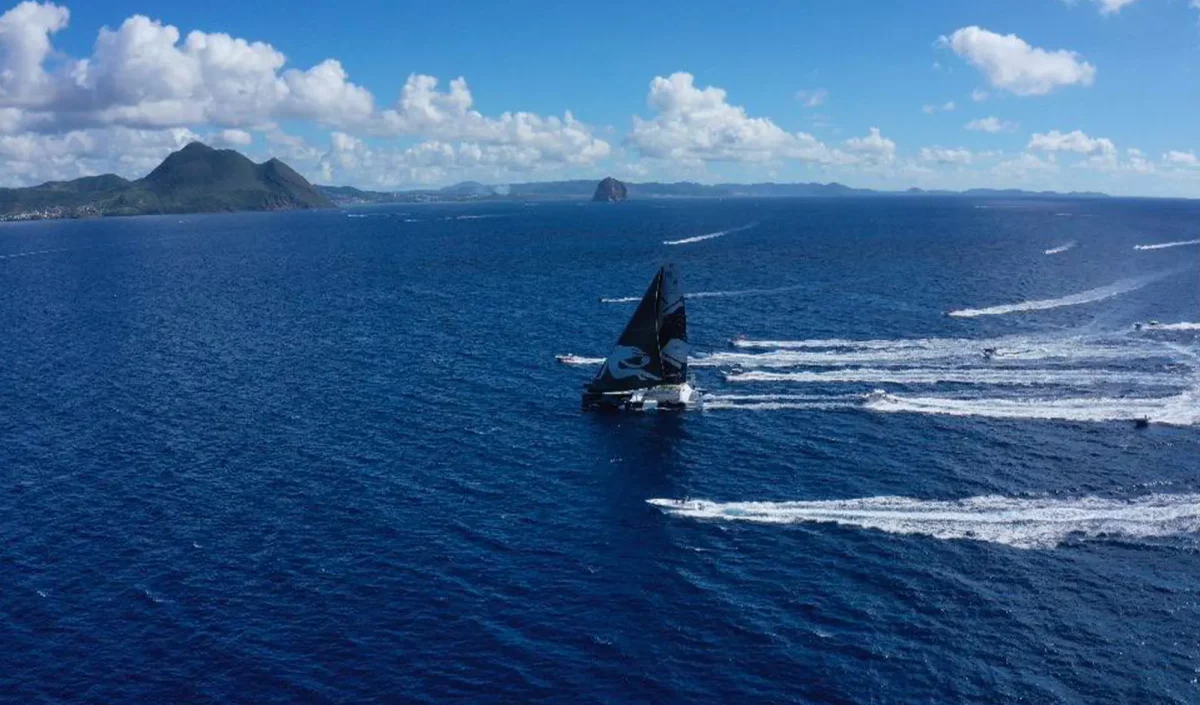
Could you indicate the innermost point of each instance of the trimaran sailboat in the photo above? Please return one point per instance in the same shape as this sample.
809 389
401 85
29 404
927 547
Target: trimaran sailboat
648 368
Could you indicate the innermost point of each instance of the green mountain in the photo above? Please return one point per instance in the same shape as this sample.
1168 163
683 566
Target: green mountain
196 179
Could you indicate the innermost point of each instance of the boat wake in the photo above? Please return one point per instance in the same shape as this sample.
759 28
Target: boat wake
1165 245
710 236
1027 523
1005 352
711 294
579 360
1085 297
1170 326
1060 249
1012 377
1179 410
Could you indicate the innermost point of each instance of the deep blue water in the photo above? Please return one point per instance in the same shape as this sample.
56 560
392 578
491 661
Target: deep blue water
305 457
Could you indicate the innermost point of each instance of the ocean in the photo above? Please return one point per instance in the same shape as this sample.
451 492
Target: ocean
331 457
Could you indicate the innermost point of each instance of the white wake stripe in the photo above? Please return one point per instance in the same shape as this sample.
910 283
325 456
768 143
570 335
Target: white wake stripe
1179 410
1165 245
968 353
1060 249
1017 522
710 236
779 405
712 294
1099 294
579 360
1016 377
1171 326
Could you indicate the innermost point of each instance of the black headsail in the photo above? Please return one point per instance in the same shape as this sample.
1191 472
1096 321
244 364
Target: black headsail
672 327
636 363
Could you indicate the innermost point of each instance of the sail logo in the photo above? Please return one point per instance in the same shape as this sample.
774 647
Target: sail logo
676 352
628 361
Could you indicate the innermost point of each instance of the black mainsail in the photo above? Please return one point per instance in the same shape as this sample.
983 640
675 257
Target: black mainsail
653 349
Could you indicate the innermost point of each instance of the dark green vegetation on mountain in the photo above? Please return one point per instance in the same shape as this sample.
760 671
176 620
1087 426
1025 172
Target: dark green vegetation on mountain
195 179
611 190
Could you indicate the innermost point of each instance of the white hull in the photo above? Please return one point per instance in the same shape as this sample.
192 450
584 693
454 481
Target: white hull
666 397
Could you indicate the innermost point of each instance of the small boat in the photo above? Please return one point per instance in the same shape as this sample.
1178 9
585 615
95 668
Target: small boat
648 368
565 359
1142 422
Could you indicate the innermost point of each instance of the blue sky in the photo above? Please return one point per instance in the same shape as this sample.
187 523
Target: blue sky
1091 94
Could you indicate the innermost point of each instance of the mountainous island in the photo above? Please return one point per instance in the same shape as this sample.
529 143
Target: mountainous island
195 179
610 190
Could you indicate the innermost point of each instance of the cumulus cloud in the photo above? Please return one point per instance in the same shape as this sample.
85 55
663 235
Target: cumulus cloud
1011 64
697 125
813 97
1178 158
144 74
1075 141
874 148
991 124
943 155
449 115
1025 164
979 95
38 157
147 75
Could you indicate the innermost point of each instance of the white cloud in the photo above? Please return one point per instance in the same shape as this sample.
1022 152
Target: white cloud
943 155
1075 141
231 138
979 95
1137 161
813 98
34 158
1109 7
1025 164
944 107
1178 158
991 124
424 110
1011 64
874 148
147 75
697 125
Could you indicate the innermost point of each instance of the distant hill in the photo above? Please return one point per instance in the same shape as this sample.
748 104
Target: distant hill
585 190
195 179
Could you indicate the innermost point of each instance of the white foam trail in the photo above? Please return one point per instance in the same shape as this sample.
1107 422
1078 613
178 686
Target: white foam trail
827 343
1165 245
1105 292
1171 326
579 360
710 236
783 397
1060 249
1017 522
1179 410
15 255
946 352
712 294
1013 377
777 406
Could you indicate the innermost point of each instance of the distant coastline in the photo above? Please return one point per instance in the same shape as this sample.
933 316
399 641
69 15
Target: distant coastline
585 189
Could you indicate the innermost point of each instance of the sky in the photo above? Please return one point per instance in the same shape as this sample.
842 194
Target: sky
1097 95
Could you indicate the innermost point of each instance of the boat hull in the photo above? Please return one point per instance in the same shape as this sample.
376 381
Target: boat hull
666 397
